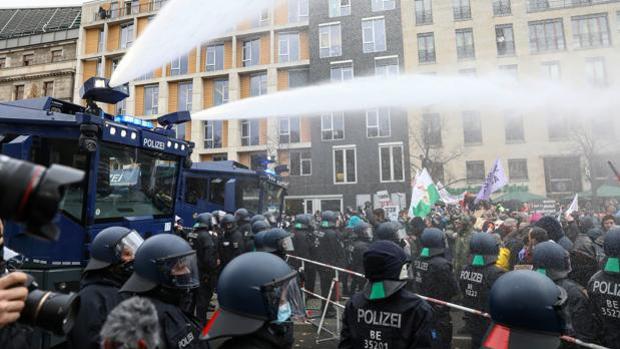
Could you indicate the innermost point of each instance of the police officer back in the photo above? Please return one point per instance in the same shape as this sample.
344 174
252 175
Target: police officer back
553 260
277 241
362 234
604 290
244 226
206 246
231 240
110 265
385 314
330 251
476 280
434 277
166 273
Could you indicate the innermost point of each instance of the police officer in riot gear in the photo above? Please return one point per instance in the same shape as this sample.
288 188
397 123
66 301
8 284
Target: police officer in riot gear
110 265
434 277
165 272
303 240
532 315
330 251
391 231
604 290
277 241
258 217
206 246
271 218
551 259
231 240
259 297
362 236
476 280
385 314
244 226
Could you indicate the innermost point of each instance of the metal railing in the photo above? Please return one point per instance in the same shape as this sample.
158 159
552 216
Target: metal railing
462 13
592 40
465 52
544 5
502 8
129 10
426 56
423 17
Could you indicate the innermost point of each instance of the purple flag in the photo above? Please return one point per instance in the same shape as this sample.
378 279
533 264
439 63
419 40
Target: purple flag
494 181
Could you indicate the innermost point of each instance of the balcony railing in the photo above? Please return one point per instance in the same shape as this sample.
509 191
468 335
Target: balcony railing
591 40
543 5
502 8
129 10
423 17
465 52
425 56
462 13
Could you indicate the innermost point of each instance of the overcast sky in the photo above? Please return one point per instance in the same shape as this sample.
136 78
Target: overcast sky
38 3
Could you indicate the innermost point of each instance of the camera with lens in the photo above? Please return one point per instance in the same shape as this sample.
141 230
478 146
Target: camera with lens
31 194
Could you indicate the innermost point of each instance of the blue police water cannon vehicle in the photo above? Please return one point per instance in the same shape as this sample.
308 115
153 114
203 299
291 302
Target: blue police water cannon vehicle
133 172
228 185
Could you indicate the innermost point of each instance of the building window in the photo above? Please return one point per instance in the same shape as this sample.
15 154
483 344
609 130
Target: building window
461 10
99 68
251 52
341 72
298 10
330 43
213 134
373 35
215 57
288 47
48 88
562 175
383 5
431 129
504 37
517 169
263 18
338 8
151 99
474 171
423 12
220 91
557 128
115 63
332 126
126 35
513 126
28 59
426 48
258 84
501 7
179 66
2 62
551 70
546 35
596 74
220 157
249 132
289 130
391 161
120 108
18 92
386 66
101 41
472 127
56 55
465 44
591 31
345 165
300 163
184 96
378 123
298 77
510 70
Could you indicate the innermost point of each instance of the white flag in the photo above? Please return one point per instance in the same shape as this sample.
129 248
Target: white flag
574 206
494 182
446 197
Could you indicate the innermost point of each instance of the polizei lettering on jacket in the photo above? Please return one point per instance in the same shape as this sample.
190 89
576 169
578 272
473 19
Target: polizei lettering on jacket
471 276
379 318
153 144
606 287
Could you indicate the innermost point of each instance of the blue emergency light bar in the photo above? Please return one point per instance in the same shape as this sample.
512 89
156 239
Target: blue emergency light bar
130 120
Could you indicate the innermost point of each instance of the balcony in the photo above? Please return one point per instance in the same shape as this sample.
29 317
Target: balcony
501 8
423 17
544 5
133 9
462 13
426 56
465 52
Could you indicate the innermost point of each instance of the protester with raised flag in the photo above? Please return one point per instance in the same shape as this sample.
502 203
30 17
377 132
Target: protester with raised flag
495 180
423 196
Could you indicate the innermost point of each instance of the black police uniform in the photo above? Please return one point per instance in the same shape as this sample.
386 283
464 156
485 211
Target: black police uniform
245 230
177 329
330 252
433 277
357 262
383 323
206 258
98 296
604 291
231 245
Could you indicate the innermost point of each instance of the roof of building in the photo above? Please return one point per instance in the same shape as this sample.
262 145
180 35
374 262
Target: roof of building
31 21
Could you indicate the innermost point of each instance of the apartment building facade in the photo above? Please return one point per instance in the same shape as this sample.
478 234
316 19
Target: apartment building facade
356 156
576 42
38 52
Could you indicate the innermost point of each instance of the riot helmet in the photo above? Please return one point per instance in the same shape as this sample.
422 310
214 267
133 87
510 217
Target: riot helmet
363 231
227 223
259 226
164 260
303 222
277 241
271 218
433 242
329 219
611 245
242 216
387 231
258 217
204 221
113 246
483 249
551 259
254 289
387 267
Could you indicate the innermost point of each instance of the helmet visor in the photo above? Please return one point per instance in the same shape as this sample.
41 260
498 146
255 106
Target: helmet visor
126 248
287 244
283 291
179 271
